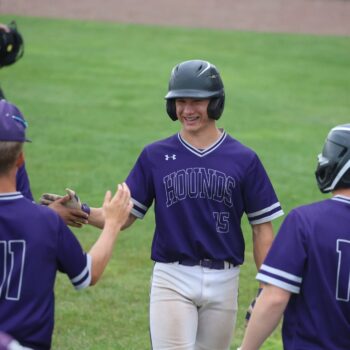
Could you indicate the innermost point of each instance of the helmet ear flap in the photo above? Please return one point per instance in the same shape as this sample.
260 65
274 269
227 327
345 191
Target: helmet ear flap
323 174
171 109
216 107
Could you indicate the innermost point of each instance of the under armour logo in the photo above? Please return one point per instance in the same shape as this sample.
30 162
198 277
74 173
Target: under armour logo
173 157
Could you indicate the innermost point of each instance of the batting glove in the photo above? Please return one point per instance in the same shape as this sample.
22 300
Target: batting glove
73 203
251 307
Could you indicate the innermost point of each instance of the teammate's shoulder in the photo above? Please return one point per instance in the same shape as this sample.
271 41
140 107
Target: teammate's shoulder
32 211
317 208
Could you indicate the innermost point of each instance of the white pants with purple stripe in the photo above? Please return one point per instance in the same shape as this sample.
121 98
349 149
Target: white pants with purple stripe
192 307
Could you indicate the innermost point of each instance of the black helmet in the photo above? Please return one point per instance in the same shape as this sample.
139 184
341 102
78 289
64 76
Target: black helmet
196 79
334 162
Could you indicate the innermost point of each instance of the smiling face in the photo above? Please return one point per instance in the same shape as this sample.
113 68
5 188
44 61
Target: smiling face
193 114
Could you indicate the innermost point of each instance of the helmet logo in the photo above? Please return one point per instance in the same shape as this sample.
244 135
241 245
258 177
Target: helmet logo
322 160
205 69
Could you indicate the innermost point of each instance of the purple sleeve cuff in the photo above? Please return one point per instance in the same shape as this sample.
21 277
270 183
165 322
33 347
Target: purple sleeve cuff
85 208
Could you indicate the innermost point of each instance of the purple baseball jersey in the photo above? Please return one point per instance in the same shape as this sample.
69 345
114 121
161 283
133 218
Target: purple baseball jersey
200 196
310 257
22 183
34 244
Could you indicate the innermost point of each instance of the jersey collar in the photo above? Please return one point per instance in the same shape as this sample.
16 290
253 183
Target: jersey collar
341 198
206 151
10 196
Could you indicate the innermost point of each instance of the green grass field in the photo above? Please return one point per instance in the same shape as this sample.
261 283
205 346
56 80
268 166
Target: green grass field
93 95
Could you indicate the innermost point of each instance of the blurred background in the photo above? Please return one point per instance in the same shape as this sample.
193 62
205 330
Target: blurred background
299 16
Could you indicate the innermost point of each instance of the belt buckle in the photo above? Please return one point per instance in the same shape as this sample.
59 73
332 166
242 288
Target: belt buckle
206 263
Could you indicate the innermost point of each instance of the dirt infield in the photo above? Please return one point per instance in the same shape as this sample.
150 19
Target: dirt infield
299 16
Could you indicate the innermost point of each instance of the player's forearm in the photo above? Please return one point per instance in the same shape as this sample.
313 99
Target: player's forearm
130 220
96 218
101 252
266 315
257 332
262 241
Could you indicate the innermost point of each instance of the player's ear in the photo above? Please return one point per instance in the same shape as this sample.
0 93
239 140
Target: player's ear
20 160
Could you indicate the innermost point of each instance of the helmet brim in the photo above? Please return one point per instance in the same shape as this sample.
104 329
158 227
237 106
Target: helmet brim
198 94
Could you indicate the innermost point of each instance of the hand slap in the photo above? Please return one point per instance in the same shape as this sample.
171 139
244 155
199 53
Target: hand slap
117 208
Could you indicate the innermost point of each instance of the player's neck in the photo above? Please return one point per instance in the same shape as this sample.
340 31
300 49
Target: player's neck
8 182
201 140
342 192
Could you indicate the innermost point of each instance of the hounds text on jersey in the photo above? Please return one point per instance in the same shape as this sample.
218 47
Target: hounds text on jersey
198 183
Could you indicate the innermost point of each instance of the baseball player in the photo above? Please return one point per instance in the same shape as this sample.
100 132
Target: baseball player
71 216
201 181
35 244
307 269
11 46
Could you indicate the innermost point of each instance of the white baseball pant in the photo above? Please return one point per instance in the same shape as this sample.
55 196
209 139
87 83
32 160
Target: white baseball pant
192 307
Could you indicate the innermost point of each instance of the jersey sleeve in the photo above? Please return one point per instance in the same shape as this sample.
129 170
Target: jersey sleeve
141 185
285 262
260 200
72 260
22 183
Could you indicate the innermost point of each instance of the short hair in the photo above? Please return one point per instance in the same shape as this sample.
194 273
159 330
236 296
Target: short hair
9 152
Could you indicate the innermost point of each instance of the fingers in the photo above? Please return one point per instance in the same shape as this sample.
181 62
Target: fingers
121 198
79 215
45 201
125 192
126 189
107 198
63 199
47 198
74 224
72 194
119 195
128 201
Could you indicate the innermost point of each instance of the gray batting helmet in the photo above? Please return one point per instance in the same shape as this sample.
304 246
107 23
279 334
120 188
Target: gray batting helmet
334 162
196 79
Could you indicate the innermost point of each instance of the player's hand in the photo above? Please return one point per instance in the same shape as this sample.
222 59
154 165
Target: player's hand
251 307
49 198
68 207
116 209
72 217
73 200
